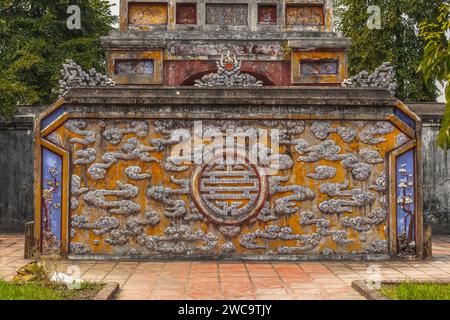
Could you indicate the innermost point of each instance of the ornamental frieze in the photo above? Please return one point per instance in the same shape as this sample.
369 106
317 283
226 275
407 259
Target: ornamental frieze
213 187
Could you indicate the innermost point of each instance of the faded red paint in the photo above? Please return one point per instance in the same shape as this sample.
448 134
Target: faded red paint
186 13
272 73
267 14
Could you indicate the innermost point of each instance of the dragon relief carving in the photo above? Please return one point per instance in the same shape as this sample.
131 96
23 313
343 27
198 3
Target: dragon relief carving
87 155
326 150
173 208
132 150
181 240
375 134
79 127
115 135
132 231
323 228
358 198
97 198
135 173
322 173
76 190
272 232
323 129
361 166
364 224
286 205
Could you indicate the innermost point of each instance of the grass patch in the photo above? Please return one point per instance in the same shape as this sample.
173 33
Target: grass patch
417 291
46 291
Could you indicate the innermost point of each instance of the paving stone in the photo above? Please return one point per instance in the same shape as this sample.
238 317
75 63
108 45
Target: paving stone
236 280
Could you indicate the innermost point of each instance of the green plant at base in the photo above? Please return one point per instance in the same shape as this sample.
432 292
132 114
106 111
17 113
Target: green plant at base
47 291
417 291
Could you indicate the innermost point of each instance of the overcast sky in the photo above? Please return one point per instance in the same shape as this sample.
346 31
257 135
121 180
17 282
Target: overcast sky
115 11
115 8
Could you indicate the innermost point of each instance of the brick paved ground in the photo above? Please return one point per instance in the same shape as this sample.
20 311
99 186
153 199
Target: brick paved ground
238 280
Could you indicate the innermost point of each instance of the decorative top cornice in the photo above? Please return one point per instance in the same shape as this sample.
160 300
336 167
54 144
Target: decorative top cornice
383 77
73 75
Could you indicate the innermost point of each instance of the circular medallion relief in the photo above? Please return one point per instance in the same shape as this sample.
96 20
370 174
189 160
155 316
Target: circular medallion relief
229 193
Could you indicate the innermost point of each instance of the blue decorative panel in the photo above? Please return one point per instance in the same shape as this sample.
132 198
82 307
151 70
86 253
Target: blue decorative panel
134 67
319 68
52 117
405 118
406 202
51 198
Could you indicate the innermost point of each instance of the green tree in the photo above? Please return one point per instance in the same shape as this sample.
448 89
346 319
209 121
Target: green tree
35 41
397 41
436 62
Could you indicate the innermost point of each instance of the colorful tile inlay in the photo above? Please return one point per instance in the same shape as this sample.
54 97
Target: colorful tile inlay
267 14
140 14
134 67
319 68
405 195
405 118
51 201
186 13
304 15
52 117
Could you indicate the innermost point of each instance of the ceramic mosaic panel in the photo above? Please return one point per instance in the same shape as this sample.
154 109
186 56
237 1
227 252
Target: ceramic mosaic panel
304 15
186 13
227 14
267 14
311 67
134 194
320 67
143 14
134 67
405 202
51 197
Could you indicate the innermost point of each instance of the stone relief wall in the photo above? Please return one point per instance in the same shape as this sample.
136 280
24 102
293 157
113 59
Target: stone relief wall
133 194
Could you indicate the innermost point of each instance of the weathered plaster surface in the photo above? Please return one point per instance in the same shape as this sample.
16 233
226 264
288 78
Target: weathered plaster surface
16 172
436 176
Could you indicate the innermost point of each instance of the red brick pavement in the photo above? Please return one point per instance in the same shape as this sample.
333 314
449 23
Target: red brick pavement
238 280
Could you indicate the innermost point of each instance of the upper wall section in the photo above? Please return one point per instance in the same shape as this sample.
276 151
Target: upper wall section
177 42
249 15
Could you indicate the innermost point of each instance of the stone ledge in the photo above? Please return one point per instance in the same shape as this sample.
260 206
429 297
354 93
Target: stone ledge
428 111
109 292
370 294
268 96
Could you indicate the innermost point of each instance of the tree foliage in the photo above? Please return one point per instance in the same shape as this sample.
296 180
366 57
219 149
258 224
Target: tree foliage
397 41
436 62
35 41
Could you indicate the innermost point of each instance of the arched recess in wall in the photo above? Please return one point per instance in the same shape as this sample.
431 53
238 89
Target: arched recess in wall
190 81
